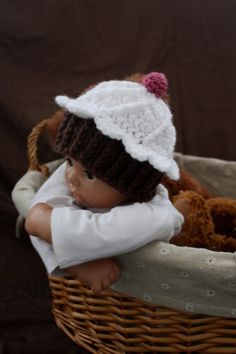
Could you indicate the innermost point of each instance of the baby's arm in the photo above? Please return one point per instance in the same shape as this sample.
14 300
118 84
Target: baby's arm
99 274
37 222
92 235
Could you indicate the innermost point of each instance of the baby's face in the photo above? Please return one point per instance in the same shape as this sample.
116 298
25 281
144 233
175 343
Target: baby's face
89 191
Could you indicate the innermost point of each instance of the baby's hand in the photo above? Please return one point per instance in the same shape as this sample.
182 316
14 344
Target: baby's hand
99 274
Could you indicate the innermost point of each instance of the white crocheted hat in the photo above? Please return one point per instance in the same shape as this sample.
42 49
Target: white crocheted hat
135 114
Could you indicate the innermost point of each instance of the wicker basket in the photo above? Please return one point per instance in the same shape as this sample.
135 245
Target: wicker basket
112 322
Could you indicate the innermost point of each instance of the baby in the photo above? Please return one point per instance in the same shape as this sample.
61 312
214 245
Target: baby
107 198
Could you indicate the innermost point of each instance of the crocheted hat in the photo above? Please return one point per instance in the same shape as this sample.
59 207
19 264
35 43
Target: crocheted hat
122 131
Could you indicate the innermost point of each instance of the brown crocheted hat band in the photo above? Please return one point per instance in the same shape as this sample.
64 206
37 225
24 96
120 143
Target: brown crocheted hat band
106 158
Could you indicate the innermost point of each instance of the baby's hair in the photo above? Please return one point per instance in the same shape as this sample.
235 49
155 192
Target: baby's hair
106 158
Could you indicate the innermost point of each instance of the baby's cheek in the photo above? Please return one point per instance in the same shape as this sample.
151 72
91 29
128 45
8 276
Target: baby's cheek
67 178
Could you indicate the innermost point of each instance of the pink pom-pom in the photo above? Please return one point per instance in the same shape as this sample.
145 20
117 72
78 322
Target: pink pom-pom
156 83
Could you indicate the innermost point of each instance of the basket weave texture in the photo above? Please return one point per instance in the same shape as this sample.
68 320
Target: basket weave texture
112 322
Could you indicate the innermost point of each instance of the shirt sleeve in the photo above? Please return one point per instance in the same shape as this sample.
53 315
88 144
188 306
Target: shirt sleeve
80 236
55 193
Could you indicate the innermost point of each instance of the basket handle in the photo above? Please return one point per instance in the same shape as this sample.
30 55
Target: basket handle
32 148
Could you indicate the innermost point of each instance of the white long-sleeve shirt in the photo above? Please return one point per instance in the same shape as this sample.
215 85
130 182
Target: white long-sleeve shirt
81 235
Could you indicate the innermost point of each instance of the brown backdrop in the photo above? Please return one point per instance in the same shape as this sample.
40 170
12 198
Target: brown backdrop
61 46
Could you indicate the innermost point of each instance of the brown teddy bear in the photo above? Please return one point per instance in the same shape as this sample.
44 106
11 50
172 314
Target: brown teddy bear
209 223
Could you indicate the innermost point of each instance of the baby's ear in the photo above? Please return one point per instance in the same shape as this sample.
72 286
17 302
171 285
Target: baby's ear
186 182
223 212
53 124
198 224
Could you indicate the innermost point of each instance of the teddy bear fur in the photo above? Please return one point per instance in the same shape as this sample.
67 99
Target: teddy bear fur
209 223
186 182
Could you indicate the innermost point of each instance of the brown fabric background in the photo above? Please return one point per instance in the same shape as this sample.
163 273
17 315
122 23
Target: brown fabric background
60 47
